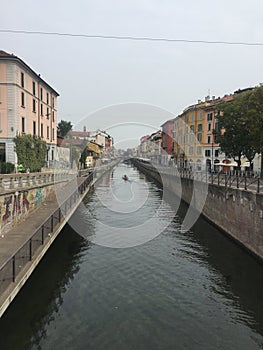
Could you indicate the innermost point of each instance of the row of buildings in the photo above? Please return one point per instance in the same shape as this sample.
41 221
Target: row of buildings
28 105
189 140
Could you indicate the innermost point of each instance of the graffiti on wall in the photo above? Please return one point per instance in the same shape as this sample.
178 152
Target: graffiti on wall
14 206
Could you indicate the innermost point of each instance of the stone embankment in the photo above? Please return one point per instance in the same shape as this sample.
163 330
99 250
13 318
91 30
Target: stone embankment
236 211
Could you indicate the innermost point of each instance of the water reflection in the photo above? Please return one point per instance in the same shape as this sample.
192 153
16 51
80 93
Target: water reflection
182 290
25 322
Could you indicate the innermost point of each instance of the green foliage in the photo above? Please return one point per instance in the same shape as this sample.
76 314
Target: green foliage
242 125
75 154
6 168
64 128
31 152
83 157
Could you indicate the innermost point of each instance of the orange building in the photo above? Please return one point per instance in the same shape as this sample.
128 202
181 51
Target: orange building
28 105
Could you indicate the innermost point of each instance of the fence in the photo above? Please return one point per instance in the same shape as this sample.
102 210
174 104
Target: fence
246 181
26 253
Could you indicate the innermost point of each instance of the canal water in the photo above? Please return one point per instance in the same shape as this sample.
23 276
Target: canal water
177 290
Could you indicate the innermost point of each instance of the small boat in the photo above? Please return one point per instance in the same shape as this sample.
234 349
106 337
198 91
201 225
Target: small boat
125 178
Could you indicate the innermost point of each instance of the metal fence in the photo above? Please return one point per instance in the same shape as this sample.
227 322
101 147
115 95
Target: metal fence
234 179
27 252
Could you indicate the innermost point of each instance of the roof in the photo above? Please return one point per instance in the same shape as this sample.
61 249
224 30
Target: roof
168 121
7 56
80 133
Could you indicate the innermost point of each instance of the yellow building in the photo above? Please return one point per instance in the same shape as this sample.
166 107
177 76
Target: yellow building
190 135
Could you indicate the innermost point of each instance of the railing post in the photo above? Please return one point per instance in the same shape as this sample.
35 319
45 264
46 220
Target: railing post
225 181
212 178
14 268
42 233
59 214
258 185
245 182
237 180
52 223
30 249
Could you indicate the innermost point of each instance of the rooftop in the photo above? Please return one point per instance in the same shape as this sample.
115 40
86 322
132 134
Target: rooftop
7 56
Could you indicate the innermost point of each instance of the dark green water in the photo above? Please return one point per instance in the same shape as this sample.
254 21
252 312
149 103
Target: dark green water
180 290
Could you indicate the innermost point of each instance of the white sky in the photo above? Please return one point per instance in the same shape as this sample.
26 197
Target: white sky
91 74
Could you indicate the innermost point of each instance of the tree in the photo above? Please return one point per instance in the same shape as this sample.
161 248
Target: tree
255 112
237 138
83 157
64 128
31 152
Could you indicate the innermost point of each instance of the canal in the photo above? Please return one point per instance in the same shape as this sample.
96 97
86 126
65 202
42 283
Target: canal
101 287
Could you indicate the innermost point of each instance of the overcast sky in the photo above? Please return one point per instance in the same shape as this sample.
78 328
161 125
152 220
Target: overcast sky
92 74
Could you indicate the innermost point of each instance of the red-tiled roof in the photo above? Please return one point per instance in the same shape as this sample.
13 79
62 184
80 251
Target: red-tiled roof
80 133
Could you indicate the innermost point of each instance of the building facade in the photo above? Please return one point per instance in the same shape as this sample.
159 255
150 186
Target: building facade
28 105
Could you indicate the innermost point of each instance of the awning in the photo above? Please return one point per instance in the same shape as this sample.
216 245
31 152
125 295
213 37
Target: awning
227 164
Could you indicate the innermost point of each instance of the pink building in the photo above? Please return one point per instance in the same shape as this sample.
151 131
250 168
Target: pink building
28 105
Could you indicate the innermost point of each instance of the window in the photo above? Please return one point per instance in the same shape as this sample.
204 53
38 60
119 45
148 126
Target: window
47 132
41 94
186 119
192 128
192 138
34 105
191 150
53 134
208 139
23 125
22 99
41 130
34 128
53 116
47 113
53 102
216 152
199 150
47 98
207 153
34 88
22 80
193 117
199 137
209 116
41 109
209 127
199 127
200 115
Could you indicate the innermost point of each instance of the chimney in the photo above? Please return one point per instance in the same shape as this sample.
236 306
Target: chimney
84 129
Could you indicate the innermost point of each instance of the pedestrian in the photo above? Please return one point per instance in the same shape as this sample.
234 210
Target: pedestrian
20 168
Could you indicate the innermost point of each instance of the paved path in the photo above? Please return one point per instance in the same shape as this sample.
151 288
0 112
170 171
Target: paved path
12 240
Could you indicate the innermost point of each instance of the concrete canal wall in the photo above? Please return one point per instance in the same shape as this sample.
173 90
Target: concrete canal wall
239 213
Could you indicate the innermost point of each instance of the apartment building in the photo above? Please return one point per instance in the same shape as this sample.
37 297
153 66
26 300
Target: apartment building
28 105
194 133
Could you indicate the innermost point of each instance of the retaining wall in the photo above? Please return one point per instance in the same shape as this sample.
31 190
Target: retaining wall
239 213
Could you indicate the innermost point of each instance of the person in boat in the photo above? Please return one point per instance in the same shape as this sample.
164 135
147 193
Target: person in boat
125 177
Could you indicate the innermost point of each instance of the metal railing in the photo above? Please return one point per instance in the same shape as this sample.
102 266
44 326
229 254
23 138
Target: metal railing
26 253
237 180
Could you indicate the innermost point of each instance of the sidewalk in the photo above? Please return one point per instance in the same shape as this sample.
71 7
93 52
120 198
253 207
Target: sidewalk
12 240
